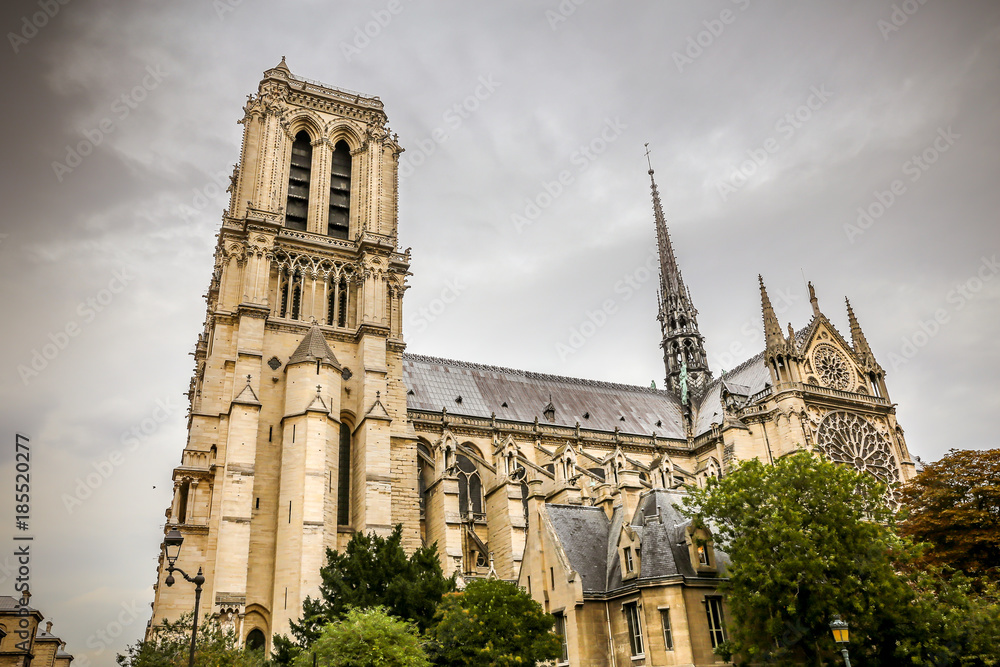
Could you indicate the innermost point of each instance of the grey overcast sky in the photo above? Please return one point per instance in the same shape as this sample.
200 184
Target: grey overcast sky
854 144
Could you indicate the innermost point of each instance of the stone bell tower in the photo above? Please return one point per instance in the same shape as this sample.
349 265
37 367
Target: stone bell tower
297 427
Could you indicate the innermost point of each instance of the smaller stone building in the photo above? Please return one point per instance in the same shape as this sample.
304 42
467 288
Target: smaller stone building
23 641
630 581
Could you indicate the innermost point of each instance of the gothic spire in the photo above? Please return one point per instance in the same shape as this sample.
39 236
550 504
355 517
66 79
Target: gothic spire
683 345
772 330
671 281
858 339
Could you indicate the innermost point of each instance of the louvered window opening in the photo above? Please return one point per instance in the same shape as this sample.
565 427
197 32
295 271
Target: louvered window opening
297 204
340 192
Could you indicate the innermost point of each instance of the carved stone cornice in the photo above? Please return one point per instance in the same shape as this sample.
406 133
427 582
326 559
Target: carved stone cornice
254 310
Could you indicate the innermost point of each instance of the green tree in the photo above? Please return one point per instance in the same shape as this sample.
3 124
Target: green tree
169 644
809 539
366 638
953 507
492 623
372 571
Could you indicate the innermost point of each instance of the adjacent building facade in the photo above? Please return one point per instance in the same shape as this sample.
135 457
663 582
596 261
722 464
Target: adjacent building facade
308 421
24 641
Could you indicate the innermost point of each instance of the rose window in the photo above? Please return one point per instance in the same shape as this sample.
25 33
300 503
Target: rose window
853 440
833 368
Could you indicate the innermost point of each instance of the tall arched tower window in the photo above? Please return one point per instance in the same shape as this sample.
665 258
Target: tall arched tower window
297 205
340 191
182 504
344 476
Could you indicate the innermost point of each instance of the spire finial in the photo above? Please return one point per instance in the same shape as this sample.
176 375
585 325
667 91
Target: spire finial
857 335
647 159
772 330
813 300
249 377
319 388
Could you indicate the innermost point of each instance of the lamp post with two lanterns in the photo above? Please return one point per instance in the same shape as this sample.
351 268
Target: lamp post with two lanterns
172 546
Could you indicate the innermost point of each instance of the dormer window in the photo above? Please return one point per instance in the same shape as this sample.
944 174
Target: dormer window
701 551
297 204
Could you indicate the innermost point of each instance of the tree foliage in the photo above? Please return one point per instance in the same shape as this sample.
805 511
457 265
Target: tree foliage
809 539
366 638
372 571
492 623
169 645
953 506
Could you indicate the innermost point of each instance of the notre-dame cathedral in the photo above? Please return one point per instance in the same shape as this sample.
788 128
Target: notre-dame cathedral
309 422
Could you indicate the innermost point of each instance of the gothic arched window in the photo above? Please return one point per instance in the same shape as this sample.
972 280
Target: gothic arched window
290 294
340 192
342 303
344 476
296 294
424 472
297 204
470 487
182 503
255 640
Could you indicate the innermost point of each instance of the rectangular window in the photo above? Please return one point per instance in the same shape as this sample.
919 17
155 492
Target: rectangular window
629 565
561 631
716 623
668 635
634 627
703 555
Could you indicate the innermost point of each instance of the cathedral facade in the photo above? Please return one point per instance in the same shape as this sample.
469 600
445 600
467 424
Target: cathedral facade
308 422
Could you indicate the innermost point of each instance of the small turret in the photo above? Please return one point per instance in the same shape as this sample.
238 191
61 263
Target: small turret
781 354
872 370
772 330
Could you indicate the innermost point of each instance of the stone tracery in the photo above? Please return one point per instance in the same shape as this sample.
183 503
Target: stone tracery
833 368
854 440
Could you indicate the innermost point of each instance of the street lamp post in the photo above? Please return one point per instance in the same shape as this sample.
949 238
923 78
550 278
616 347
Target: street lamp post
172 545
840 635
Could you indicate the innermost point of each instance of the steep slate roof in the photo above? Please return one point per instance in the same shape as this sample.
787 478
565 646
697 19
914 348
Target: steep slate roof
583 533
437 383
750 377
590 541
8 603
312 347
